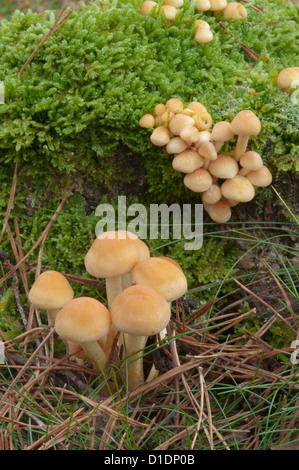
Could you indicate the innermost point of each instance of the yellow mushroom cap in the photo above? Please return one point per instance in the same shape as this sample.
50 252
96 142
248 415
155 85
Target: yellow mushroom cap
197 107
176 145
235 11
187 161
190 134
83 320
162 276
207 150
159 109
140 310
202 5
171 260
220 212
217 5
260 177
147 121
147 7
212 195
174 3
222 132
203 35
223 167
179 122
50 291
175 105
112 254
238 189
170 12
251 161
198 181
286 77
245 123
160 136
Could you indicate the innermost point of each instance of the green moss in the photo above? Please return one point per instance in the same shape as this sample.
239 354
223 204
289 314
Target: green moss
9 322
85 90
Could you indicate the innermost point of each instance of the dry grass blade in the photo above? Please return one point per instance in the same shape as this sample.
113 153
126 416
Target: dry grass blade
10 202
247 49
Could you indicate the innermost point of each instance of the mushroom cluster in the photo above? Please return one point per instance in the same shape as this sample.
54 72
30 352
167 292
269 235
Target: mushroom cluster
232 10
139 291
169 8
222 179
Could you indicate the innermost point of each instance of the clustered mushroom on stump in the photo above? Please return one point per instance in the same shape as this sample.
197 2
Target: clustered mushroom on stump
139 291
222 179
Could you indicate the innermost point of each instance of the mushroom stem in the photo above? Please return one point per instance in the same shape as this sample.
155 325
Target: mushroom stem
52 314
241 146
95 353
113 288
133 349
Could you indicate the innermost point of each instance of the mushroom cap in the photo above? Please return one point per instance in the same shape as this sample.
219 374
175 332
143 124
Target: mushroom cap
198 181
197 107
217 5
246 123
235 11
179 122
190 134
147 7
140 310
112 254
202 5
222 132
238 189
261 177
251 161
147 121
171 260
162 276
220 212
286 77
175 105
187 161
224 167
174 3
50 291
207 150
160 136
176 145
203 35
159 109
212 195
83 320
170 12
142 248
202 24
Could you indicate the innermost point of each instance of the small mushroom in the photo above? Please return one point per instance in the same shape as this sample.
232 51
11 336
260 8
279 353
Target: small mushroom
50 292
202 5
174 3
138 312
147 7
250 161
221 133
198 181
260 178
170 13
197 107
203 120
190 134
175 105
212 195
224 167
187 161
86 321
235 11
238 189
220 212
244 124
217 5
203 36
179 122
176 145
147 121
208 150
286 77
160 136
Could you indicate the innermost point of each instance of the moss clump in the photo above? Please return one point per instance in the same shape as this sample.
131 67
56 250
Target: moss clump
9 322
85 90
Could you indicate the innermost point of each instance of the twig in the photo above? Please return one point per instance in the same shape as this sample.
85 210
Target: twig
247 49
54 28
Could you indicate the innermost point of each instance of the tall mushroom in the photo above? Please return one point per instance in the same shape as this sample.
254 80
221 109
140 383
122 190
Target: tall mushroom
50 292
86 321
244 124
138 312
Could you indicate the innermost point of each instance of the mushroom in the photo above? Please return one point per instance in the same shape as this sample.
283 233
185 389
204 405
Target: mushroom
190 134
179 122
238 189
86 321
235 11
174 3
221 133
203 35
197 107
202 5
208 150
250 161
244 124
175 105
160 136
170 13
220 212
159 109
161 275
50 292
187 161
261 177
147 7
286 77
203 120
212 195
111 256
224 167
147 121
176 145
138 312
217 5
198 181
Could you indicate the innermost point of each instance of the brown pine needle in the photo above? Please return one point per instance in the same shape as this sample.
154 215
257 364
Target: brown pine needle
247 49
